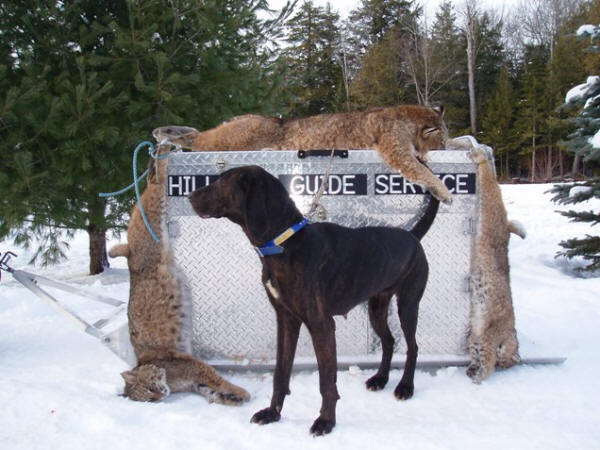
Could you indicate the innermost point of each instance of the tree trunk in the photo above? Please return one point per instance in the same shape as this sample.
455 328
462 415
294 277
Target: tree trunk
533 153
471 70
98 255
560 163
345 73
575 169
549 164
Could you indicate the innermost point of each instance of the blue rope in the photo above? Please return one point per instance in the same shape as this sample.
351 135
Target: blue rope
122 191
136 181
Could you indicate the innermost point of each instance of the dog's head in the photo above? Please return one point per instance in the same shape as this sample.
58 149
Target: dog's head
225 197
250 197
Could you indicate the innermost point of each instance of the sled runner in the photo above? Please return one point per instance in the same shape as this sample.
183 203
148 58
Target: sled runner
112 330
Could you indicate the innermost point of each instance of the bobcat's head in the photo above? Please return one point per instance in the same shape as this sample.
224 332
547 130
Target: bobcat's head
432 132
146 383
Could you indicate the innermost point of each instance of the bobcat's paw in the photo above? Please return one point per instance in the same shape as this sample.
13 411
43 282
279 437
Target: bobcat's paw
443 195
225 398
477 373
478 155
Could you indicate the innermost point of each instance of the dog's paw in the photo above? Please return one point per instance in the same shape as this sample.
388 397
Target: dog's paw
376 383
404 391
265 416
322 426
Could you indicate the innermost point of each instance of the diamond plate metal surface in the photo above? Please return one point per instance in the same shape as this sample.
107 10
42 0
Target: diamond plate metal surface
231 315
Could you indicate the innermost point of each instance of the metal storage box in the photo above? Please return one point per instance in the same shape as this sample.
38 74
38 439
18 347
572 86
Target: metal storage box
232 319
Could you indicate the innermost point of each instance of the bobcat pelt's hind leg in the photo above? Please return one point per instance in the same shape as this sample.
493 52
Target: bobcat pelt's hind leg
191 373
508 353
483 360
484 357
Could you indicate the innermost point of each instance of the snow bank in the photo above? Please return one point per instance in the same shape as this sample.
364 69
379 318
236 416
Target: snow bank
60 388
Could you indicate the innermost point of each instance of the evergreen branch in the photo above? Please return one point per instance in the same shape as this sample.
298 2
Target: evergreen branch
575 216
587 248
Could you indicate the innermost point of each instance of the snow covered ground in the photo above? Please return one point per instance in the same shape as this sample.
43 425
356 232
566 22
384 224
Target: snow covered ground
60 387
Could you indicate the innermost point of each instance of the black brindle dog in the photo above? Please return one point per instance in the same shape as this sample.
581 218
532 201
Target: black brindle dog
324 270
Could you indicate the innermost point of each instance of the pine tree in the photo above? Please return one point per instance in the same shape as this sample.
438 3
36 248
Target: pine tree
371 21
497 123
314 76
449 51
89 80
531 117
585 141
381 31
382 80
490 56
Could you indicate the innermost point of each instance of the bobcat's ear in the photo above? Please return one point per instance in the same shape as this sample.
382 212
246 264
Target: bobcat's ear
440 110
129 376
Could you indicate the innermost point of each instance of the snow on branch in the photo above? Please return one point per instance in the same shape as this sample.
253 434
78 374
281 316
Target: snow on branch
580 91
591 30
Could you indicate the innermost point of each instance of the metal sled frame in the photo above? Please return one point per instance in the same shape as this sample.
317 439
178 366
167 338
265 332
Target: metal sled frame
116 340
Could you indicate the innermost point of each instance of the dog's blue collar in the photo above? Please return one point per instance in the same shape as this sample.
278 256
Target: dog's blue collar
273 247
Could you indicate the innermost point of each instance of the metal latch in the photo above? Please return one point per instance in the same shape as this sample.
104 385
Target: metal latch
321 212
320 152
221 163
470 226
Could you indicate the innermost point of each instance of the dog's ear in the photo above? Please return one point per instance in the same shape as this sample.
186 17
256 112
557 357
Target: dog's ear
257 211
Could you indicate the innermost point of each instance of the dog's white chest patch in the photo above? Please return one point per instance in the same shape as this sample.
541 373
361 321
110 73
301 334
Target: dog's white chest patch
274 292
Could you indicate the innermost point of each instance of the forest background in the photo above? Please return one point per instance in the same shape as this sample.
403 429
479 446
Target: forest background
82 82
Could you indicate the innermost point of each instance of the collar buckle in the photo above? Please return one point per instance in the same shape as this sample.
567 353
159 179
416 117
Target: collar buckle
274 247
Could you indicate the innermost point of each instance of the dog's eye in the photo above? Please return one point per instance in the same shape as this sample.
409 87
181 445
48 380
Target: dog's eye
428 131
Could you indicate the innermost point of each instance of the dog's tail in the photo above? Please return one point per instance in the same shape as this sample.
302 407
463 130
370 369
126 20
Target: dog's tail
422 226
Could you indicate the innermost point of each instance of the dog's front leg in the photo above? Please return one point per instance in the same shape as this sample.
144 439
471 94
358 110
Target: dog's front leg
288 329
323 337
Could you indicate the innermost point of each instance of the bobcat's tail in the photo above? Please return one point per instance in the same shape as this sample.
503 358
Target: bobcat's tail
119 250
422 226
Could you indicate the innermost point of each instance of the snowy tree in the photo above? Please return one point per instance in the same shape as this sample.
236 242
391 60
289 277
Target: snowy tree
585 141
